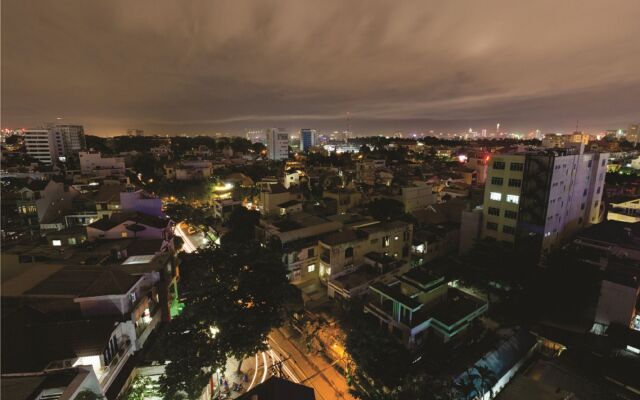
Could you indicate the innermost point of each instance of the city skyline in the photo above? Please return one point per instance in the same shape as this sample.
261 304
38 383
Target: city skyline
371 67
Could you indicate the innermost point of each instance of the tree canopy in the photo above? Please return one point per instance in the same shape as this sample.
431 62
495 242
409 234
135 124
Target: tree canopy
234 296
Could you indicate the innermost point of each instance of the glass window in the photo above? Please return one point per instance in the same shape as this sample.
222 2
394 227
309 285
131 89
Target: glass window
497 181
494 211
311 268
516 166
56 242
515 182
495 196
510 214
492 226
72 240
498 165
509 229
512 198
311 252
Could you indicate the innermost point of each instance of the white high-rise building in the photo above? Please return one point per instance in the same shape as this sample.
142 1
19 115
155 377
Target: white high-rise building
277 144
54 142
40 145
548 195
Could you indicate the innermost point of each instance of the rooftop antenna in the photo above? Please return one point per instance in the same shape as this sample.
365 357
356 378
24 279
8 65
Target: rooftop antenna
577 125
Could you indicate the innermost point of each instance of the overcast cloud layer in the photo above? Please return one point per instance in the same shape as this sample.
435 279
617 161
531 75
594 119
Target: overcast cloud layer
212 66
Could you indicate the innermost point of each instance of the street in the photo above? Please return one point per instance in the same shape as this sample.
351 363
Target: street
192 242
285 357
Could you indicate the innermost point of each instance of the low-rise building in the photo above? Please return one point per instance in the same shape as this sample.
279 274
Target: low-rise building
600 242
189 170
619 300
270 197
62 384
342 252
298 236
420 303
92 162
125 225
624 211
346 198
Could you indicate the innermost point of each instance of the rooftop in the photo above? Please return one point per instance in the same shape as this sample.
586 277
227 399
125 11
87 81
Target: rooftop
84 282
345 236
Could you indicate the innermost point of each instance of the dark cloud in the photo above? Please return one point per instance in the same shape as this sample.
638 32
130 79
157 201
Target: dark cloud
207 66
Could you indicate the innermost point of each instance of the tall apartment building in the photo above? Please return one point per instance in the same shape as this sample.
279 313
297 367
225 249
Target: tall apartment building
40 145
277 144
548 196
308 139
54 142
68 138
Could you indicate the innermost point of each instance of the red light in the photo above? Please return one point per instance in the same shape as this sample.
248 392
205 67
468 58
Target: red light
487 158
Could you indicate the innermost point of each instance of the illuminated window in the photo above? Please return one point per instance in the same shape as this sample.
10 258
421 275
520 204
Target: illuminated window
512 198
495 196
311 268
124 234
72 240
56 242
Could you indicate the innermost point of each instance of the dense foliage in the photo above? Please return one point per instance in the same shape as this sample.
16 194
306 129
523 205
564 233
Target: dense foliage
234 295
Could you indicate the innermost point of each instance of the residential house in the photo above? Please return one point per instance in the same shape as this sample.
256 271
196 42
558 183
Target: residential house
125 225
420 303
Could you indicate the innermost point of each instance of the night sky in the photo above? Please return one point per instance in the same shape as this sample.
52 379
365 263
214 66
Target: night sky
208 66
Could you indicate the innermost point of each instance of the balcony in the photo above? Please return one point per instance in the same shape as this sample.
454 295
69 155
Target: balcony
107 373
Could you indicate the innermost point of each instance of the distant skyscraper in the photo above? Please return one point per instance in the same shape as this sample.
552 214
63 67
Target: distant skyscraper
633 133
277 144
308 139
55 142
256 136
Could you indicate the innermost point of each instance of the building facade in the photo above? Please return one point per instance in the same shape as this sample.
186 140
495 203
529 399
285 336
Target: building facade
277 144
548 195
92 162
308 139
54 142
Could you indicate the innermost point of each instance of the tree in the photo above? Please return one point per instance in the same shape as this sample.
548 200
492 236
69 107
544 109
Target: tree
148 166
372 351
89 395
234 296
141 388
242 223
98 143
